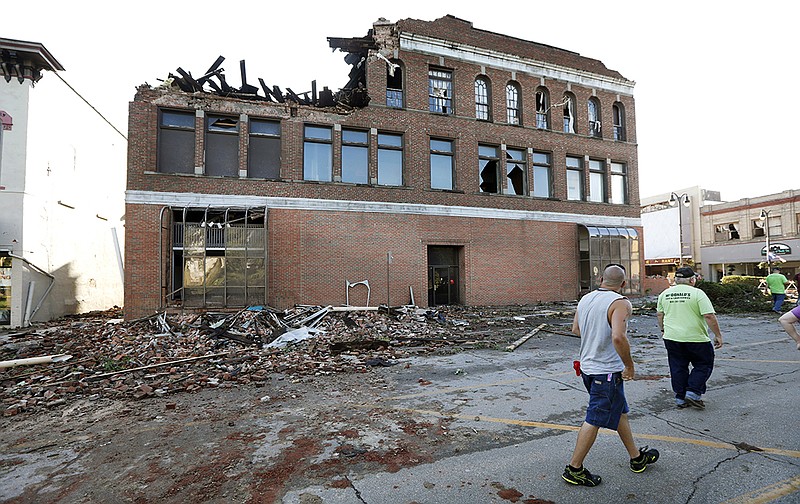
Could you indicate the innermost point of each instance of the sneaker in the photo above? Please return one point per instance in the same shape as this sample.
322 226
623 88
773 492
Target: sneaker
683 405
697 403
646 456
581 477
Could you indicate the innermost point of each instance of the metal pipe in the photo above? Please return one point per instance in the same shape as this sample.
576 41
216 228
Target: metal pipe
26 321
43 272
34 360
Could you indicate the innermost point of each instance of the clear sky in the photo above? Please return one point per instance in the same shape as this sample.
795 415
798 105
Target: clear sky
715 80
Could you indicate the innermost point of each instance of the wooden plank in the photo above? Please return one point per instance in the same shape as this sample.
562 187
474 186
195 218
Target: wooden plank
516 344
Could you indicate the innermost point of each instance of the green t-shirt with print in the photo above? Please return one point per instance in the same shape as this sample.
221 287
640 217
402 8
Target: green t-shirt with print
775 283
683 307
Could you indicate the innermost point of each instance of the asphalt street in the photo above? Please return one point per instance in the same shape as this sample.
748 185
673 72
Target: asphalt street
743 448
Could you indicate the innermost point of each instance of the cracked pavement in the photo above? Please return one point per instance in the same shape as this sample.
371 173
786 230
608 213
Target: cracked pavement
476 426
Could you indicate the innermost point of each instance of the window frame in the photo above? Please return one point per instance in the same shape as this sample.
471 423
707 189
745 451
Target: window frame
440 104
498 187
620 175
309 141
390 148
256 138
442 155
618 119
568 113
542 99
579 170
513 104
221 142
395 97
536 167
594 115
522 164
486 96
597 174
173 133
361 147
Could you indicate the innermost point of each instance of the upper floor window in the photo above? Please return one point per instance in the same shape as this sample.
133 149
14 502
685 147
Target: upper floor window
176 142
222 146
619 184
482 98
264 149
542 175
355 156
516 171
618 111
488 167
597 180
440 91
317 154
512 104
594 117
574 178
775 228
390 159
726 232
441 164
394 85
569 112
758 228
542 109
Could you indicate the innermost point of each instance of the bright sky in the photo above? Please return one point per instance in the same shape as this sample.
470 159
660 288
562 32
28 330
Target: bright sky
715 80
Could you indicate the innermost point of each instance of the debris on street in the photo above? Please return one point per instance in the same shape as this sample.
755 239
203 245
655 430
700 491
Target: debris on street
169 353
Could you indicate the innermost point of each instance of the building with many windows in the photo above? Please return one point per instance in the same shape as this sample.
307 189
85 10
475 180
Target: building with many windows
457 166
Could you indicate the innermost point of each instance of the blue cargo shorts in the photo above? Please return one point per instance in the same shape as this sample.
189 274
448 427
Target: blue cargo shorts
607 400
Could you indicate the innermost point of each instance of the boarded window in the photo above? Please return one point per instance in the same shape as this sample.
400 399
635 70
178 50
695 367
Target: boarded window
222 146
264 151
176 141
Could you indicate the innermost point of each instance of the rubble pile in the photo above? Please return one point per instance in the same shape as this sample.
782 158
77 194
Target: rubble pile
100 355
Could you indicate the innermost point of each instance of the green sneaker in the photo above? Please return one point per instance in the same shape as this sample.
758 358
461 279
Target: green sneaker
646 456
580 477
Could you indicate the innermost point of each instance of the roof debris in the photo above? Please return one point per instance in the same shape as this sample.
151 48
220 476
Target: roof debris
172 353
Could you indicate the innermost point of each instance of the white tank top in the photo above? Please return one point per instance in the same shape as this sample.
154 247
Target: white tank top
598 355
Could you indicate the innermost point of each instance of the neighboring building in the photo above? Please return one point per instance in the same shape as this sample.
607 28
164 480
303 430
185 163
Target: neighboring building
735 235
457 165
672 231
61 192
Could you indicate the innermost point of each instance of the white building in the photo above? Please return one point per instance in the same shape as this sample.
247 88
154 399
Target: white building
62 181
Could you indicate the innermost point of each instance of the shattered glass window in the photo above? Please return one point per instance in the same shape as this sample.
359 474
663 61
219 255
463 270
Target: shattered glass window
542 109
594 117
440 91
516 171
569 113
394 85
488 165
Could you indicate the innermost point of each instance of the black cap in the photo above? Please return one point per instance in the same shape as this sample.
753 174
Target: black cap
685 272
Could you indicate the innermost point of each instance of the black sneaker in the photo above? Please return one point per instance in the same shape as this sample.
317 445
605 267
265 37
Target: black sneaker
646 456
580 477
697 403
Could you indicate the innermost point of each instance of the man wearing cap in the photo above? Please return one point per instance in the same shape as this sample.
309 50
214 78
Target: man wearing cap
777 287
685 315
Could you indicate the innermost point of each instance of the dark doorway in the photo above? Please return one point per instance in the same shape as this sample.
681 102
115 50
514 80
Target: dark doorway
443 275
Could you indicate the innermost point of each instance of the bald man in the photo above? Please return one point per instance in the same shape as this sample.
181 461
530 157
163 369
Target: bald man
601 321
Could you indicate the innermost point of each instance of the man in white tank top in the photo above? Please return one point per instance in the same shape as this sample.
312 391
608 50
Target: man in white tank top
601 321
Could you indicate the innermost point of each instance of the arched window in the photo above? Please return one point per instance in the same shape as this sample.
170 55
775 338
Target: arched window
513 108
394 84
542 108
619 122
570 117
594 117
482 99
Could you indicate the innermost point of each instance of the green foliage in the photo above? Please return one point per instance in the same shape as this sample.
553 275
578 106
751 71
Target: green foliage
737 295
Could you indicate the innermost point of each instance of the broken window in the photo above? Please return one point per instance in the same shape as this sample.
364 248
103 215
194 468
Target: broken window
482 98
597 180
264 149
394 85
488 166
726 232
758 228
569 113
619 183
594 117
390 159
222 146
176 142
440 91
542 109
619 121
574 178
542 178
512 104
441 164
218 257
516 171
355 156
317 154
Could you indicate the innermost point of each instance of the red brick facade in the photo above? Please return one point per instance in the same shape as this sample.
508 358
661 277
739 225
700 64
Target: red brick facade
525 250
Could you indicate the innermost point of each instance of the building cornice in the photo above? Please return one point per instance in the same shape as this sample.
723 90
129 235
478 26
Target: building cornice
239 201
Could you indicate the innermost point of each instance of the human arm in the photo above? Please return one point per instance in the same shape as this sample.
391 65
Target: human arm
660 316
576 330
619 312
713 324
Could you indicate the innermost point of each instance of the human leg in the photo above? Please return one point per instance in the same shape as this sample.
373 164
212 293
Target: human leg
678 368
702 360
586 438
777 302
787 321
625 434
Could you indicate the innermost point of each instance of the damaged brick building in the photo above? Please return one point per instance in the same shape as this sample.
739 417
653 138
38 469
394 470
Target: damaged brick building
457 166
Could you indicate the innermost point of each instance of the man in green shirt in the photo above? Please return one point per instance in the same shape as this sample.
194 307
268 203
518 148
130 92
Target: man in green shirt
777 287
684 315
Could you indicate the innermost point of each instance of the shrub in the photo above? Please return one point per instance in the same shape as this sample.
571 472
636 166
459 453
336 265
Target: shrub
740 294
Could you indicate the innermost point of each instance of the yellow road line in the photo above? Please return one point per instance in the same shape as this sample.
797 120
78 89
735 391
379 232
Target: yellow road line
768 493
545 425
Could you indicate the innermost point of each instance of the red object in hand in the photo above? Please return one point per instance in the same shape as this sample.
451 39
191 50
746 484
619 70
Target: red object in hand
576 365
